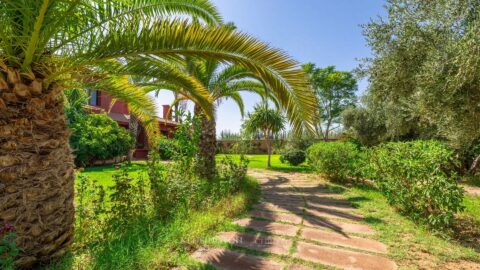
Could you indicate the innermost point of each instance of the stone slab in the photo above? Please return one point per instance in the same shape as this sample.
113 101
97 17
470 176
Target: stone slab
270 244
275 216
333 213
337 226
265 206
225 259
319 200
343 240
342 258
343 207
299 267
268 226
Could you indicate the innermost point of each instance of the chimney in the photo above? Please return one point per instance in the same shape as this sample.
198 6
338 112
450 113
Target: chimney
167 114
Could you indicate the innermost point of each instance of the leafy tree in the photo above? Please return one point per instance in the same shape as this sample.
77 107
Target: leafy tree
48 45
367 125
424 72
265 120
335 92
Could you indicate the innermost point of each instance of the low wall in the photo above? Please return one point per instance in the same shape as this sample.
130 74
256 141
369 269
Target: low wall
255 146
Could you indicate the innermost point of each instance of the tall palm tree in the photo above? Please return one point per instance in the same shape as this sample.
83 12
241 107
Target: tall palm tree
222 82
267 121
48 45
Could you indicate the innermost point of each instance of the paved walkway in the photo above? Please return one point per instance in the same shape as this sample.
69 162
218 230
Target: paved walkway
300 225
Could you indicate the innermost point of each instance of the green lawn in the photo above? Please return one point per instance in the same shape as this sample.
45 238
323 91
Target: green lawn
260 162
103 174
472 207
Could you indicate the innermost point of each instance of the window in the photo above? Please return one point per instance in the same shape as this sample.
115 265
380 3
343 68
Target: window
94 98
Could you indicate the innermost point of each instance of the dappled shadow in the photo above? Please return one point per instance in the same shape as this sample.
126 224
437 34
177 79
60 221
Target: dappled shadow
467 232
310 201
233 260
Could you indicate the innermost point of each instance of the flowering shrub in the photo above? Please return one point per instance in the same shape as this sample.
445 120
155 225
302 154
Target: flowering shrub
8 249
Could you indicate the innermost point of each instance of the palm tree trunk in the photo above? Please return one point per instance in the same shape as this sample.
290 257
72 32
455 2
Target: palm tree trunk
36 169
133 124
207 145
269 151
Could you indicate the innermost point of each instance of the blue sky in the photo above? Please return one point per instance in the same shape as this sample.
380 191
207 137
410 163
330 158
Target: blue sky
325 32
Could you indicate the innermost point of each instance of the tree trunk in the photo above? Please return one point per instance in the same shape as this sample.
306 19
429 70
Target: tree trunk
327 130
269 151
133 124
36 169
207 146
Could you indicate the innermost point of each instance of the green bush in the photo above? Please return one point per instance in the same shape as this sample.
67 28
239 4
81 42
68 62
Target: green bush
8 248
337 160
98 137
167 148
418 179
232 174
293 157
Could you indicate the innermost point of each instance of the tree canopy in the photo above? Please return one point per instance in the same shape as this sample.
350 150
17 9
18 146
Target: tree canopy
425 74
335 91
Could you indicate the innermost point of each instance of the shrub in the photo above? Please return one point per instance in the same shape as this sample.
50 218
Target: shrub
337 160
167 148
90 205
293 157
98 137
8 248
418 179
232 174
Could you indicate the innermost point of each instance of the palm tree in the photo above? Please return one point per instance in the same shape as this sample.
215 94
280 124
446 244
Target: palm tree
48 45
264 120
222 82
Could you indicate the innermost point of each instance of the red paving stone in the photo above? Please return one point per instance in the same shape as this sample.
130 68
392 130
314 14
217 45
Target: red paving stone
284 201
342 258
275 216
334 213
341 207
298 267
268 226
343 240
265 206
271 244
337 226
231 260
317 200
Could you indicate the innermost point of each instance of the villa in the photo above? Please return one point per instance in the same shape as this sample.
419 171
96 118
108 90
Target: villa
100 102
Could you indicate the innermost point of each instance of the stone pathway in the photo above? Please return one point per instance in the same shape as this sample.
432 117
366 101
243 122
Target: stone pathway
298 224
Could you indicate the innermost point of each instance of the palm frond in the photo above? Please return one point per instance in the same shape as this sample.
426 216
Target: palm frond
282 75
237 98
139 103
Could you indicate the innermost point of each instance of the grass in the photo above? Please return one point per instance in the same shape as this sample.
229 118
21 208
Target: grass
151 244
162 246
103 174
411 245
472 207
260 162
